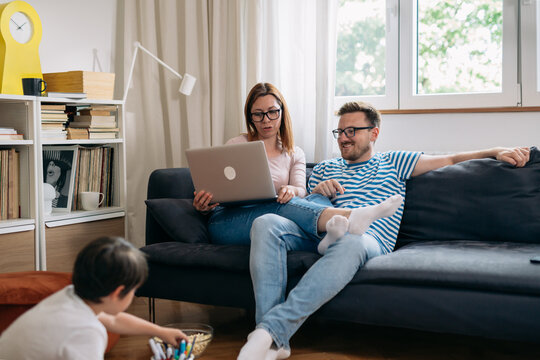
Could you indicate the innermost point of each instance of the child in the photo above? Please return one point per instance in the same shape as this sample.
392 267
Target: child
72 323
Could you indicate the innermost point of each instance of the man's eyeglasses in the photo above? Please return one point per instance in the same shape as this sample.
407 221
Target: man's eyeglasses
349 131
270 114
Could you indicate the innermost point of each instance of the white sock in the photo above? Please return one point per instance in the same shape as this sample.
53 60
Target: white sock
336 227
258 344
361 218
277 354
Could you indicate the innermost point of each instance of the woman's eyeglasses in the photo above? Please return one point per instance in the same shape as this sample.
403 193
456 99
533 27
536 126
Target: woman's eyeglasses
270 114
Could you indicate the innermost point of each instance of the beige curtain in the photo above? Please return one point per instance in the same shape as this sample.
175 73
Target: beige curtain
202 38
228 45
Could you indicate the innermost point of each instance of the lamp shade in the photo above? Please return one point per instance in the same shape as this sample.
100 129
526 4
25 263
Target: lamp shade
187 84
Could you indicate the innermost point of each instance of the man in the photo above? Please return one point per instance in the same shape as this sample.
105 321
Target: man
360 178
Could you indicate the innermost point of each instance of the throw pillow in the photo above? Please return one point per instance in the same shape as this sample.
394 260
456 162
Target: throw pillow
179 219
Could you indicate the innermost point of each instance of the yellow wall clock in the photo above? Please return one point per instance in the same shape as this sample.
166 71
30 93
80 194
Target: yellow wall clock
20 35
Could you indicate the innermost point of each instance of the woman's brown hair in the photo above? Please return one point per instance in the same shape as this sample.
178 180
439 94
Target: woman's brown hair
285 130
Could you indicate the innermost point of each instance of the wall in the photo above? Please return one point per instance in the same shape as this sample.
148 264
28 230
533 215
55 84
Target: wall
77 34
81 35
449 133
440 133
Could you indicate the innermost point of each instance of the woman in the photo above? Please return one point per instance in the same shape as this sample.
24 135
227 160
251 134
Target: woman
55 173
267 119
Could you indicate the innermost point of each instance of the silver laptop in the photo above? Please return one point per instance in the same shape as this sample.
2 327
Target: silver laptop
236 174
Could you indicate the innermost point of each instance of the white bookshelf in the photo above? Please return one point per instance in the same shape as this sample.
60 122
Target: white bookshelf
24 114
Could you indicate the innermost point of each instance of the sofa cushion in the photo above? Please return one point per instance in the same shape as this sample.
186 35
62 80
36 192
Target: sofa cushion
475 200
501 267
220 257
167 212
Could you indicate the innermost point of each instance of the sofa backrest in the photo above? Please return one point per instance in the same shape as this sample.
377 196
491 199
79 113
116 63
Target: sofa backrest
474 200
482 199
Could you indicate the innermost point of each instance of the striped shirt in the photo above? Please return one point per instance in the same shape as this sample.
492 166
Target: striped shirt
370 183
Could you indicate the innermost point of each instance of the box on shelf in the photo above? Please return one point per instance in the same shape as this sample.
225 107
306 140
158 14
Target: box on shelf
96 85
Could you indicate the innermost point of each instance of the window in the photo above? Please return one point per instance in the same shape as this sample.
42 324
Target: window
452 54
367 56
458 54
530 60
459 46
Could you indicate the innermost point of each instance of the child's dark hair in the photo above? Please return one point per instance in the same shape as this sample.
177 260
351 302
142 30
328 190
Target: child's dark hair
106 263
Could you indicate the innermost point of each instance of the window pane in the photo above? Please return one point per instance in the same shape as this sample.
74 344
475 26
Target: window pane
361 48
459 46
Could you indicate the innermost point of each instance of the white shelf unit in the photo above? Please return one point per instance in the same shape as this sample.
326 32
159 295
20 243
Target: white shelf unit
24 114
18 112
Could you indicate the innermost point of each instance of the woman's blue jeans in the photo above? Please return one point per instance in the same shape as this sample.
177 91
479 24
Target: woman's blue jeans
231 225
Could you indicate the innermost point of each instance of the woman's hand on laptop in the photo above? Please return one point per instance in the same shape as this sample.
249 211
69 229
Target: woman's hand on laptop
201 201
285 194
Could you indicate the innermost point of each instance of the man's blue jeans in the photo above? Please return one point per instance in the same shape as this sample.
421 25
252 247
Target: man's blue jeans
231 225
272 236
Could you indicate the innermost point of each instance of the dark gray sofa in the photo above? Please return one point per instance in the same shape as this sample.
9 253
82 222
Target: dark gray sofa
461 264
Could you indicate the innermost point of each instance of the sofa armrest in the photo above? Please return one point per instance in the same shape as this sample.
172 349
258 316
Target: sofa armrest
169 185
174 183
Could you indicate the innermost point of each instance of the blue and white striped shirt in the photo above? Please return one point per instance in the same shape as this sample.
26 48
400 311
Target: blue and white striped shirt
370 183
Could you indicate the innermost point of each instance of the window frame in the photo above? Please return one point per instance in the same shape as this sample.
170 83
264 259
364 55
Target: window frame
520 79
530 52
390 100
510 94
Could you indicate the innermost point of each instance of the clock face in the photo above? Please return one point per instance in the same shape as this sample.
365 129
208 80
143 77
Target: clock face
21 27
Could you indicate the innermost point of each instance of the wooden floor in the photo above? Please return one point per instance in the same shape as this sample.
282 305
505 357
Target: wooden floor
320 340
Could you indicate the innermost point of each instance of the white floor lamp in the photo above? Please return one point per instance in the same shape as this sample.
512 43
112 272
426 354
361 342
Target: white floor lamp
188 81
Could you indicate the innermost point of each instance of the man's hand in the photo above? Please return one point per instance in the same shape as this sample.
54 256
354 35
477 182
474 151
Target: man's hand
516 156
285 194
328 188
201 202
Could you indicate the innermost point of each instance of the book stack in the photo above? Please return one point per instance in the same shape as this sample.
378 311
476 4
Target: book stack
98 121
9 184
53 122
94 172
10 134
77 133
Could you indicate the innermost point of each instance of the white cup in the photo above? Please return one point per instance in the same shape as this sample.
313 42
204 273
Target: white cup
90 200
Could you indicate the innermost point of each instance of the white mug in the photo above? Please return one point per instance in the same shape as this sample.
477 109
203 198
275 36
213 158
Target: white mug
90 200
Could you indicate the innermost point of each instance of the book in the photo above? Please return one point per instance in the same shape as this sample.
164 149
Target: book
8 131
95 121
53 126
11 137
54 116
77 133
95 130
12 207
104 107
50 121
53 107
94 112
101 135
67 95
53 111
53 135
15 200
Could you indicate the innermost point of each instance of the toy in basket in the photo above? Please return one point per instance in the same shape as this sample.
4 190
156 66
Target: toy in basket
199 336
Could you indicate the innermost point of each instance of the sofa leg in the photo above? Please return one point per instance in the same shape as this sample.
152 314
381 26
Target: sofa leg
152 309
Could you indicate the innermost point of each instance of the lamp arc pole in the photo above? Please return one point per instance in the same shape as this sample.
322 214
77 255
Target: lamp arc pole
188 81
